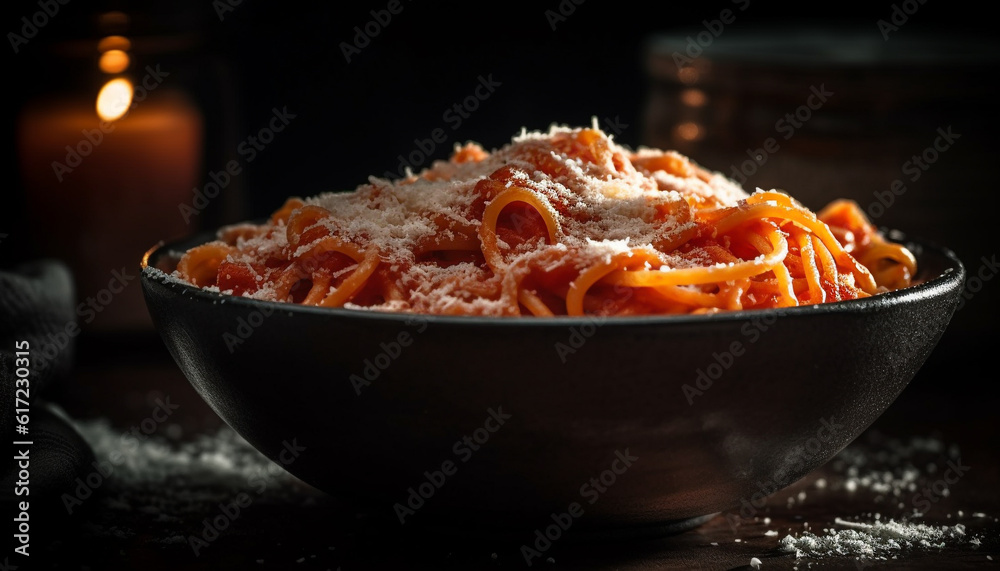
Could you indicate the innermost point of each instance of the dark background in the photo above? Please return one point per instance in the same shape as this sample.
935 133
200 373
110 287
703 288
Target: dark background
354 118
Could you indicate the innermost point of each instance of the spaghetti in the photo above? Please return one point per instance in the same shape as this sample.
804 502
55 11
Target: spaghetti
560 223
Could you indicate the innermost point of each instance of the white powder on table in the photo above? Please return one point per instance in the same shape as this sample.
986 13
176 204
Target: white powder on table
223 458
877 540
894 468
888 471
160 478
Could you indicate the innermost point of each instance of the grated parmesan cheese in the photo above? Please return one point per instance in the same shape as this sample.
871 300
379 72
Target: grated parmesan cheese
603 206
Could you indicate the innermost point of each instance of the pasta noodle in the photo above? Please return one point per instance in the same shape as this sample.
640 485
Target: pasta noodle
565 222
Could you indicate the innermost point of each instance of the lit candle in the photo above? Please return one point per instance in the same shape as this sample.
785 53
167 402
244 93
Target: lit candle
99 193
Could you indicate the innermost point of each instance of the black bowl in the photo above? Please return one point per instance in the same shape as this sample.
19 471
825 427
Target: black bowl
625 424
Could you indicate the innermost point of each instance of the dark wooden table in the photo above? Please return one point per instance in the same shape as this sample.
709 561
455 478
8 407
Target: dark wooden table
285 524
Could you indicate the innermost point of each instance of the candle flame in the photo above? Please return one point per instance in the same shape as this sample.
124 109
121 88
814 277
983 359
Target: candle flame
113 61
114 99
689 131
694 97
114 43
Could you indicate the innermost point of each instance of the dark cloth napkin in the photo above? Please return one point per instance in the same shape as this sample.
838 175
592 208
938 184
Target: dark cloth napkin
37 307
